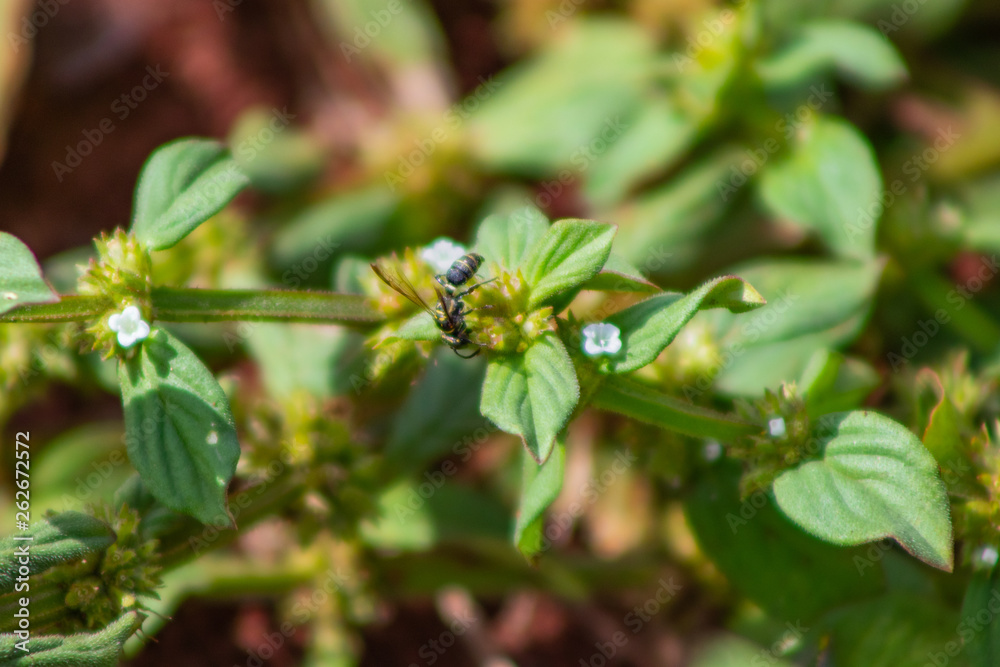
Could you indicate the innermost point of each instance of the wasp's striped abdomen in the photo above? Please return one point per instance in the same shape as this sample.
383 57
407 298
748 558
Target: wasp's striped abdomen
463 269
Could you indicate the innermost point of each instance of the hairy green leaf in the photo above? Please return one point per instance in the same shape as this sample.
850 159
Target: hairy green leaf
874 480
56 539
649 326
419 327
532 395
84 649
619 275
21 279
179 430
571 253
507 239
183 184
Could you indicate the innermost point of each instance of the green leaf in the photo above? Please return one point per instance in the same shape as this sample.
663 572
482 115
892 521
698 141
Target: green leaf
618 275
812 304
942 438
649 326
982 640
409 36
183 184
60 538
559 109
540 486
634 399
277 157
294 358
345 221
829 183
858 52
657 135
96 446
532 395
731 651
179 430
416 515
669 226
896 629
440 413
20 276
777 565
874 480
833 382
419 327
571 253
507 239
976 324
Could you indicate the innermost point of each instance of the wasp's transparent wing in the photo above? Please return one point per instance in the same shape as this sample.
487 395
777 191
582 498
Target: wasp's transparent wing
388 271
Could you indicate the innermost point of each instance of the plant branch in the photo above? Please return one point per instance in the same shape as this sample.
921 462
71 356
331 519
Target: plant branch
632 399
172 304
69 308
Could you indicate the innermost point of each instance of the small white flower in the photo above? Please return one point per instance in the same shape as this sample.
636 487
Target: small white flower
130 326
601 338
442 254
712 450
987 557
776 427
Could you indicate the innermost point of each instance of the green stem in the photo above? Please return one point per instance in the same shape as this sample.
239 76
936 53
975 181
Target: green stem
630 398
179 304
69 308
183 544
177 547
967 319
172 304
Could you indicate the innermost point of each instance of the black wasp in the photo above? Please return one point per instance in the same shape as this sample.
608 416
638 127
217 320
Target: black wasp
449 312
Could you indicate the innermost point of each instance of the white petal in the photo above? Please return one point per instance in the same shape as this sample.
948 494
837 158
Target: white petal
605 330
712 450
442 253
612 346
131 314
125 338
591 347
776 427
987 556
115 322
142 330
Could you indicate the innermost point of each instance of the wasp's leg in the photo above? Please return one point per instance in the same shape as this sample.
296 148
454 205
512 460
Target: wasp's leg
474 287
457 342
442 280
472 310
